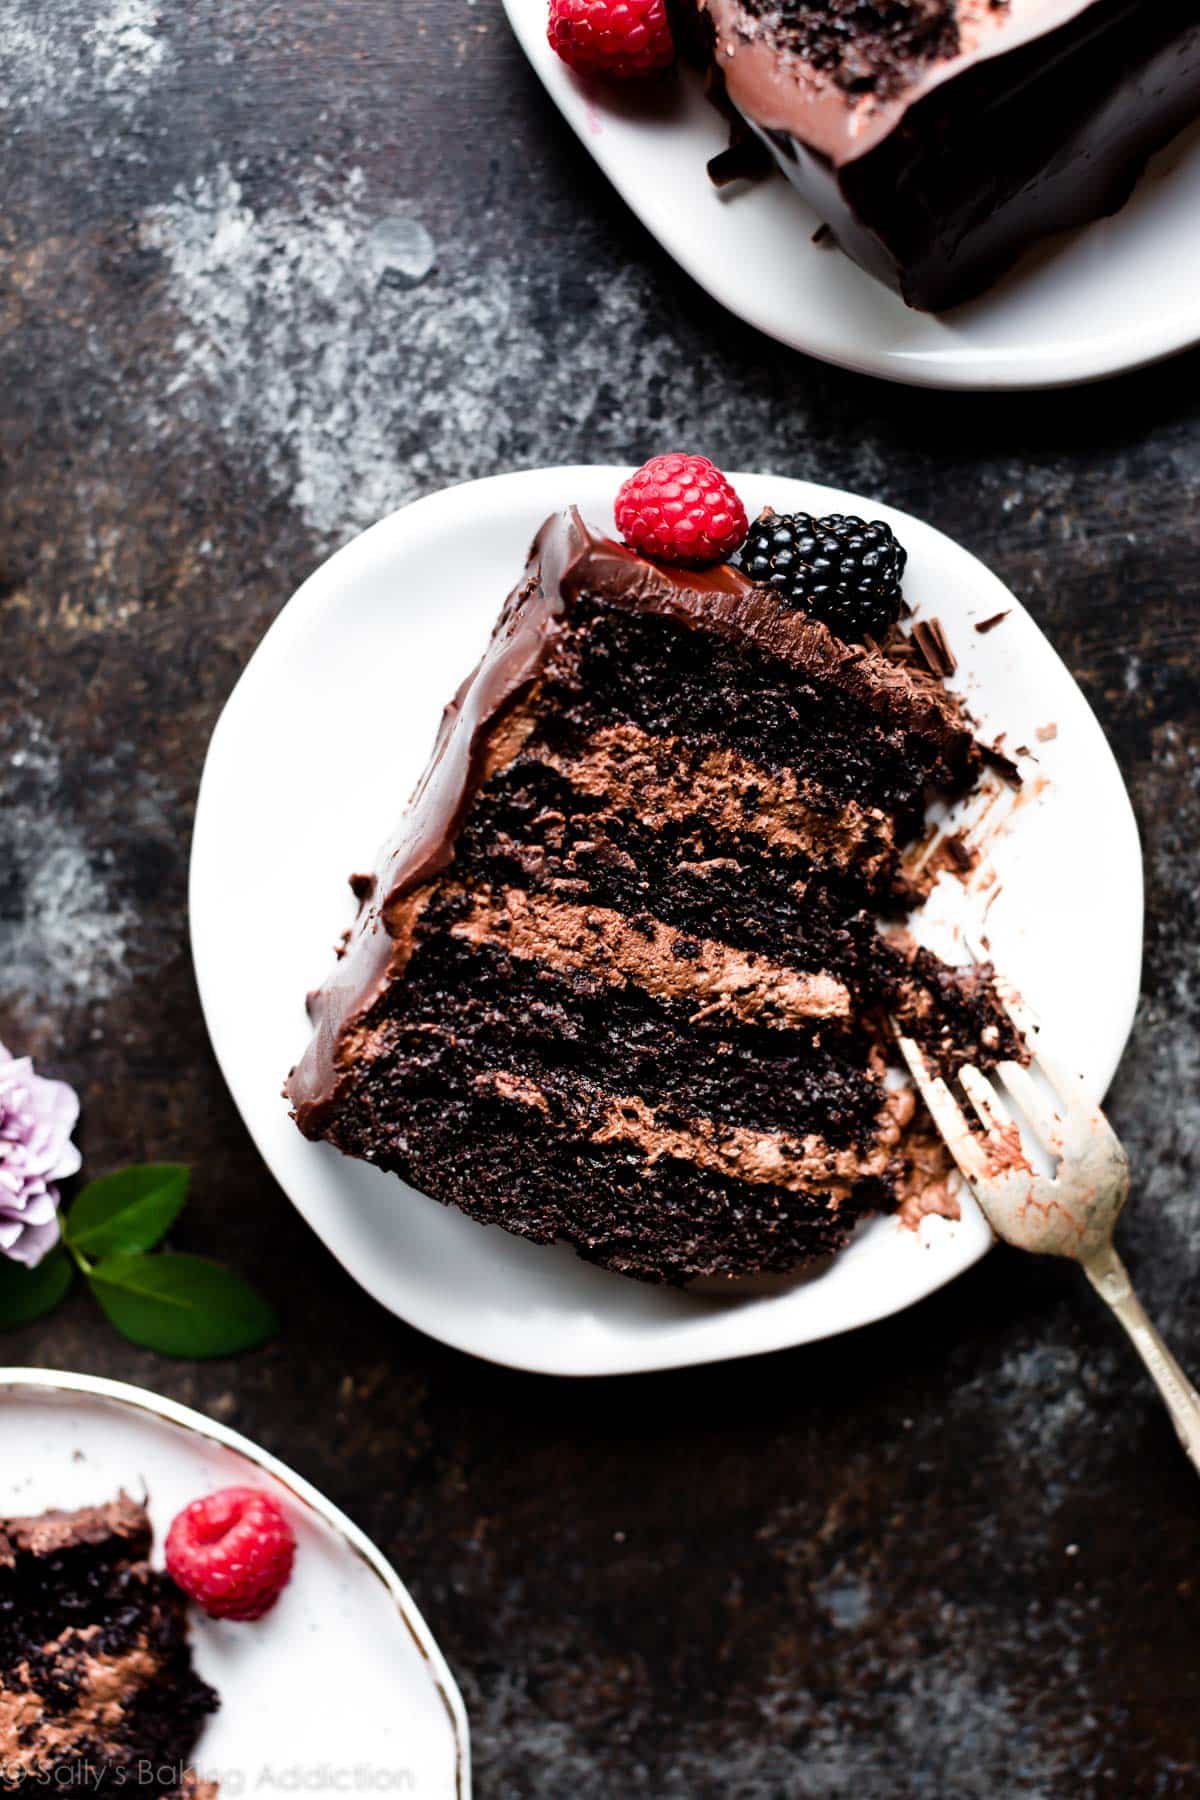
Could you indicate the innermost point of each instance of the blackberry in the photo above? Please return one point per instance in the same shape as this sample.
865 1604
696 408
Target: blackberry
842 570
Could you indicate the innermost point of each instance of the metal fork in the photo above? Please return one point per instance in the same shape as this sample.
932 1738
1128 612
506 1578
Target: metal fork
1070 1213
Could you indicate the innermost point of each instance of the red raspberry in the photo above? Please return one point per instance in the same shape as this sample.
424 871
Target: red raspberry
612 37
231 1553
681 509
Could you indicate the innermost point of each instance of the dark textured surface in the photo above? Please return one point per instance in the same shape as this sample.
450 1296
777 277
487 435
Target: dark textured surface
953 1555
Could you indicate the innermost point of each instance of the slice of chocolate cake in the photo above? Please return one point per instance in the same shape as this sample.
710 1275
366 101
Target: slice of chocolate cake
619 980
97 1688
939 138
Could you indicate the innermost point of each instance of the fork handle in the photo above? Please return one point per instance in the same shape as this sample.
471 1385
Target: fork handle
1108 1275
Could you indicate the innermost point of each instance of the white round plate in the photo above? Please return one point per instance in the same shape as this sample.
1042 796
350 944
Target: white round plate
309 769
1088 303
341 1683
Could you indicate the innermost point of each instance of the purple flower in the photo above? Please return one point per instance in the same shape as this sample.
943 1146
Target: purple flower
37 1118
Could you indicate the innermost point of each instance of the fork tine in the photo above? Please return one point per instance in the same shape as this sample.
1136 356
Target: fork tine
1046 1123
948 1116
1075 1113
992 1112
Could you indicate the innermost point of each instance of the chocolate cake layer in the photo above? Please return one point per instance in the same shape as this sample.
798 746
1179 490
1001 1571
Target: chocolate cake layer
95 1668
618 980
476 1008
940 138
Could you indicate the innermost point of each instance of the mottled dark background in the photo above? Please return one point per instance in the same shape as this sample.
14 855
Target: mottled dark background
267 271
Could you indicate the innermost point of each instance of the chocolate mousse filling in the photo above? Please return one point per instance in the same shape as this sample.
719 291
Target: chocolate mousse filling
619 979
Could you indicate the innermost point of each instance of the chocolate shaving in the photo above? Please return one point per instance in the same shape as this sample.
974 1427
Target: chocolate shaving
991 624
1046 734
823 235
1003 765
936 852
362 886
930 639
746 159
899 649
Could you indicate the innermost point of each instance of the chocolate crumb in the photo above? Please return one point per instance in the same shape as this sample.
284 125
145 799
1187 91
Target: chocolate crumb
953 853
991 624
1046 734
362 886
823 235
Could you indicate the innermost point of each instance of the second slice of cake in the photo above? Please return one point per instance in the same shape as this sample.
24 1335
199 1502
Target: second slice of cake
619 980
940 138
98 1691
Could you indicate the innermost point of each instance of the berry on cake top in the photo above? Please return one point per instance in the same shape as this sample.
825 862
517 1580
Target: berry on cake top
839 569
680 509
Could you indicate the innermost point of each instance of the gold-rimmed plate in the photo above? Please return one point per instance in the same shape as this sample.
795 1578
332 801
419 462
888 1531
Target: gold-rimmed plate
341 1683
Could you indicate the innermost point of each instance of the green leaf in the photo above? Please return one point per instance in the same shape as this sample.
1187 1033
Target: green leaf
182 1305
28 1294
128 1211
